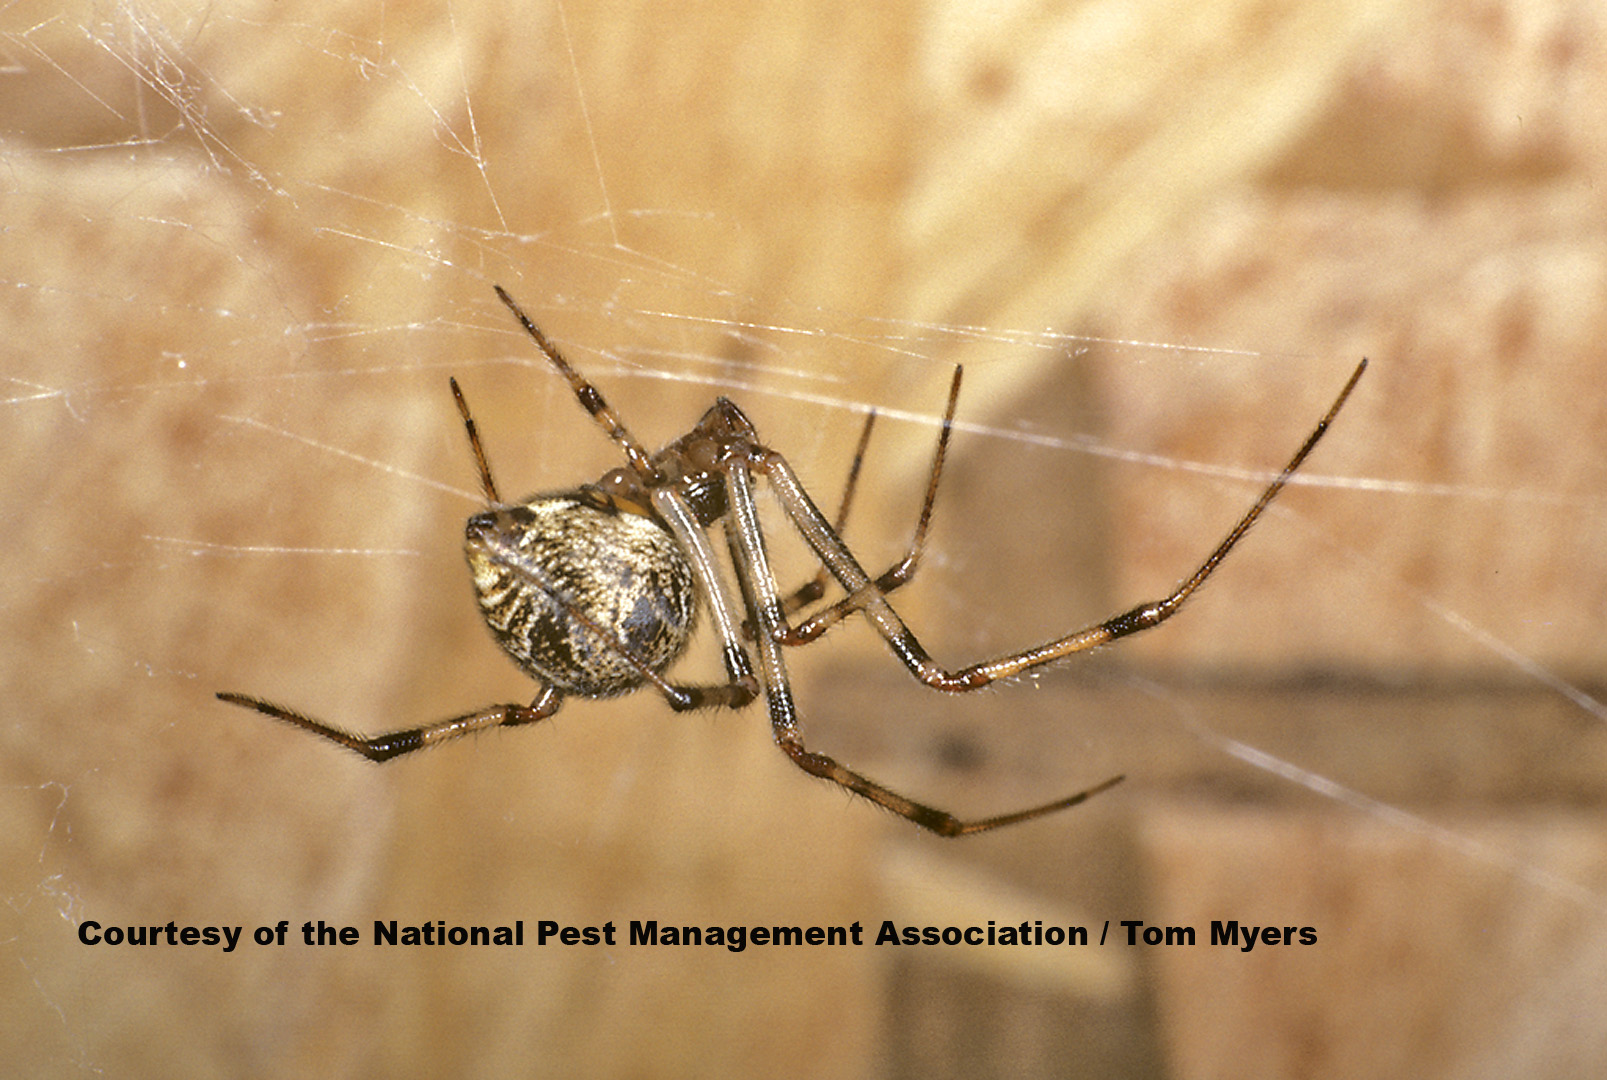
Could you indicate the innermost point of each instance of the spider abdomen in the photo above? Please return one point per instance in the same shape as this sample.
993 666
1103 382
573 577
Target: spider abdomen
574 590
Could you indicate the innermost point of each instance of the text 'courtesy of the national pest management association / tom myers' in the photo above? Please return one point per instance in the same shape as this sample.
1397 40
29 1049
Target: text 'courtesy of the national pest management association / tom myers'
653 933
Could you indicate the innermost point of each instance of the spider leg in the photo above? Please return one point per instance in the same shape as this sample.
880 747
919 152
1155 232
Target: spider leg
488 485
743 687
759 589
815 588
587 394
396 743
865 595
901 572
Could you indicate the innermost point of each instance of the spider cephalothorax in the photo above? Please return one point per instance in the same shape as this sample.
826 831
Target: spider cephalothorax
593 592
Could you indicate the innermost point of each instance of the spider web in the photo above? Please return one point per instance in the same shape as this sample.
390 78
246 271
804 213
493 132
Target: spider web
234 306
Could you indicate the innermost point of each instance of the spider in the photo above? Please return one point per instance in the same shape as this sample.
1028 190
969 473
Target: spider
593 591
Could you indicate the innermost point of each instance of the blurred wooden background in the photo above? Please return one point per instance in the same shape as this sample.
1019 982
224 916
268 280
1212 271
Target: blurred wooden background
244 245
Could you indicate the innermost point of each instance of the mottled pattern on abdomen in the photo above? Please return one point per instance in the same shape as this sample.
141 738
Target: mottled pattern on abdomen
623 571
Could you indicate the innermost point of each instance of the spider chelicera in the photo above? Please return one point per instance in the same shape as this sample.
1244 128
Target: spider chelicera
593 591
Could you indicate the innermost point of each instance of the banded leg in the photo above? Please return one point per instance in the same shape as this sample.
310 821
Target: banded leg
815 588
587 394
901 572
759 589
864 594
397 743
